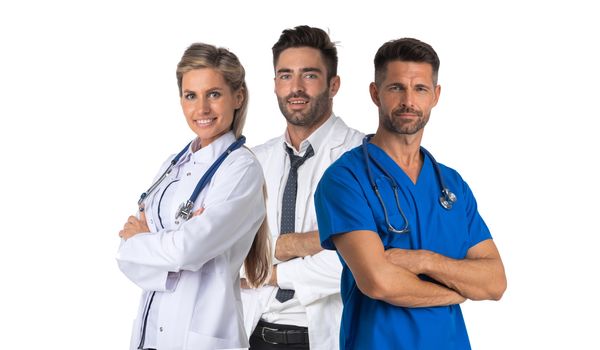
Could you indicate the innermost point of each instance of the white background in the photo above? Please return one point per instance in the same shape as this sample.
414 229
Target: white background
89 110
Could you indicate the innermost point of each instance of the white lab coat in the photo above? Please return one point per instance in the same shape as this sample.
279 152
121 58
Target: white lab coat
194 266
316 279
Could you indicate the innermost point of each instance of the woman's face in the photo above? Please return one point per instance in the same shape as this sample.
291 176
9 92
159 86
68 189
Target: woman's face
208 103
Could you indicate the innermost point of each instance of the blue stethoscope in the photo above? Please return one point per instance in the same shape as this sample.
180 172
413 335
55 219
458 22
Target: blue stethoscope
447 199
185 209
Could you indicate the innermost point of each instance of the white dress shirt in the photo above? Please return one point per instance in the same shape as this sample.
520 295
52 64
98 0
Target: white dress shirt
315 279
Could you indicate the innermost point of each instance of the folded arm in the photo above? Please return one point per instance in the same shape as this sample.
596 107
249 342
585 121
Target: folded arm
305 267
297 245
479 276
313 277
232 212
379 278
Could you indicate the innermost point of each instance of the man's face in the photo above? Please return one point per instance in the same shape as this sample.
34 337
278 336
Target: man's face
305 98
405 97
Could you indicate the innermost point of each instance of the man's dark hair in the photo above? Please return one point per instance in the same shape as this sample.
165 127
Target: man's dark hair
407 50
305 36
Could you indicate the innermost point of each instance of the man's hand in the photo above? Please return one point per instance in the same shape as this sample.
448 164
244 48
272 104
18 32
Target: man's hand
479 276
297 245
412 260
379 278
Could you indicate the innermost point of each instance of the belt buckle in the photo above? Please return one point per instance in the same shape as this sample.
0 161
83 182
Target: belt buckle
262 334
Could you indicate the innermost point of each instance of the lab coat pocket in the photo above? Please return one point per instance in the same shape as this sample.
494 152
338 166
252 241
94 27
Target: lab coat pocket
197 341
214 325
215 312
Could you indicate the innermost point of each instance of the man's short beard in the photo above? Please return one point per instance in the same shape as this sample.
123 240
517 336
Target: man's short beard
395 125
320 104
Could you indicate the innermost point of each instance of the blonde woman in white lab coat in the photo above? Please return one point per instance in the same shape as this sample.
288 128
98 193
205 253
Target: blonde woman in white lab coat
187 262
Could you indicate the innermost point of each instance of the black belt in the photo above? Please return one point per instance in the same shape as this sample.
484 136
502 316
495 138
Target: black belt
282 336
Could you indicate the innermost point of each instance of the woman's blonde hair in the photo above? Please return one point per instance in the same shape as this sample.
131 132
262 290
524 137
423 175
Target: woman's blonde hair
257 264
200 55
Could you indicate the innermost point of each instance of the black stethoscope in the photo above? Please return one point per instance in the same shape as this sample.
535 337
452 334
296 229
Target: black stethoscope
447 199
185 209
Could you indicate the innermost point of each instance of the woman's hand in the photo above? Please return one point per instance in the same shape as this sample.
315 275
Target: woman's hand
134 226
198 212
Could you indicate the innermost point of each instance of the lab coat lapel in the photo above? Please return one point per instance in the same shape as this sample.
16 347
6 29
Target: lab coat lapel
274 170
327 154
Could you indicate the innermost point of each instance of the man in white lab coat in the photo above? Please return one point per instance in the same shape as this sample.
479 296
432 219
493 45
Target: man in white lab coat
300 308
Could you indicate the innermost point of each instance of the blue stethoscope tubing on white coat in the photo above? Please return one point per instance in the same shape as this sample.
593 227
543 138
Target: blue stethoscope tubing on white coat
185 209
447 199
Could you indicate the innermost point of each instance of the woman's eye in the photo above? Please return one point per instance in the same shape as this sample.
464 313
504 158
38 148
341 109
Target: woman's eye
214 94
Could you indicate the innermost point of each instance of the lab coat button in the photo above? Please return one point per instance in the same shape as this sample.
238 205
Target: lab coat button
188 174
177 222
160 329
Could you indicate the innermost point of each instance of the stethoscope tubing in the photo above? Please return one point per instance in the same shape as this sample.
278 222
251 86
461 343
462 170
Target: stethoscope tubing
393 183
447 199
162 177
184 210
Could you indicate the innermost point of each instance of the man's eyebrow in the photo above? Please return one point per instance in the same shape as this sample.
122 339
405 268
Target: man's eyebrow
311 69
303 70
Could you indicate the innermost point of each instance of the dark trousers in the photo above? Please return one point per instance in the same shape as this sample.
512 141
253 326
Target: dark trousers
266 334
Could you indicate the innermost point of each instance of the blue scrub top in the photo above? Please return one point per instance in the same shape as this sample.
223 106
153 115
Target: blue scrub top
345 201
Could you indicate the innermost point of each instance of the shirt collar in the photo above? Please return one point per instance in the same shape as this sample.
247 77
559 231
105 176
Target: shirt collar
316 139
213 150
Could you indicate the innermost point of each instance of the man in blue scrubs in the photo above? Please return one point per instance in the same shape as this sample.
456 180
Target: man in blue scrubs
406 266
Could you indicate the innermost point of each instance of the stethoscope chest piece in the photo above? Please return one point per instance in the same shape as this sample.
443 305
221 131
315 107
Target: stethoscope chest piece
185 210
447 199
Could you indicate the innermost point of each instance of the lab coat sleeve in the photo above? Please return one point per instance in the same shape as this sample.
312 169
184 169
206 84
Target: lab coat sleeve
312 277
148 277
234 207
